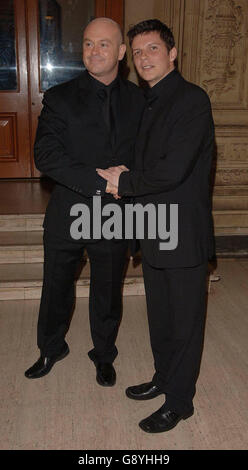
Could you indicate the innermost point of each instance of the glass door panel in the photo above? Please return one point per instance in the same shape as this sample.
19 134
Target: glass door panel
61 24
8 68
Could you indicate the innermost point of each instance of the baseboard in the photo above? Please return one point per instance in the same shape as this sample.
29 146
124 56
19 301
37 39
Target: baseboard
232 246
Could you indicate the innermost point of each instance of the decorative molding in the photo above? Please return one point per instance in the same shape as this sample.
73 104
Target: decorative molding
214 56
231 191
232 152
8 136
231 131
226 203
223 48
236 176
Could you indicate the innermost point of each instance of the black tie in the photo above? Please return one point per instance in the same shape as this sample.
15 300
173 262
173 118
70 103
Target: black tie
108 115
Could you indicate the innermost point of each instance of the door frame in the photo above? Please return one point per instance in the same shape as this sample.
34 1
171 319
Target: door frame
112 9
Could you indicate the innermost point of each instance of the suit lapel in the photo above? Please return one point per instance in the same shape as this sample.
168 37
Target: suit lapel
85 92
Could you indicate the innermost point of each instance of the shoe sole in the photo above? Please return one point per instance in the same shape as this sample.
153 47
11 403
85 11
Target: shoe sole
133 397
168 428
47 371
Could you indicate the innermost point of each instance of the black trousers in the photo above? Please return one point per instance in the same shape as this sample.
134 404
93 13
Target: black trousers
176 305
61 262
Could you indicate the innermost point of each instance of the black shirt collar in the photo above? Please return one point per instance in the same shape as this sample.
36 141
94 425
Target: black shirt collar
96 85
165 83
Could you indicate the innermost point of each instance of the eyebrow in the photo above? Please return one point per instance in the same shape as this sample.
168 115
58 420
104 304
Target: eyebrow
149 44
107 40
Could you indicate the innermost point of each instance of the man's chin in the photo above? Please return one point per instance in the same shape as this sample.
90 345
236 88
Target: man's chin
97 71
98 76
146 75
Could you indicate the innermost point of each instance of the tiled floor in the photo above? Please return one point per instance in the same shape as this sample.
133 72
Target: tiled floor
67 409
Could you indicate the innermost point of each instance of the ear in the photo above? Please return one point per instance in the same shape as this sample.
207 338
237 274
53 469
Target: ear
122 51
173 54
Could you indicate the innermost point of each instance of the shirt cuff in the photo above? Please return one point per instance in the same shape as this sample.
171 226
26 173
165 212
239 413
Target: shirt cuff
101 185
124 187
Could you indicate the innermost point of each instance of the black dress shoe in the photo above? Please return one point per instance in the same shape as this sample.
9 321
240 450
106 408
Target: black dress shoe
145 391
105 374
163 420
44 364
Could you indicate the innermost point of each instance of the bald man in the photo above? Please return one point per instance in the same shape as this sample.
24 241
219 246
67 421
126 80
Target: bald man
87 123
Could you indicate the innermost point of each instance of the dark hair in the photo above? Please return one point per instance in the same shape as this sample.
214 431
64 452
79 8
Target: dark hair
152 25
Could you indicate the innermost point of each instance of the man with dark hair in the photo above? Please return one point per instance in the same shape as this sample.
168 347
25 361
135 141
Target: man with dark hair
173 162
88 122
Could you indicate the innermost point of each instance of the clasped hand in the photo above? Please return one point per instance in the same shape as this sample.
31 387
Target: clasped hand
112 175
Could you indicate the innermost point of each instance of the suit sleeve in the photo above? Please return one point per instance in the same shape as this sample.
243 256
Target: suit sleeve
51 157
189 132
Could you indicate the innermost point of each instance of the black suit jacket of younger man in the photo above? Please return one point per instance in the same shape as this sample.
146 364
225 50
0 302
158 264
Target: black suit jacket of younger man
173 158
73 140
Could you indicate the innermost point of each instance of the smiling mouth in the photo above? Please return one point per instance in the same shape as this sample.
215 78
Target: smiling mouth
147 67
96 59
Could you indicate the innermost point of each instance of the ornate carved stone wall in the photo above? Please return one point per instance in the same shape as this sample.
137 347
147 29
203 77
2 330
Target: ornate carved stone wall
212 40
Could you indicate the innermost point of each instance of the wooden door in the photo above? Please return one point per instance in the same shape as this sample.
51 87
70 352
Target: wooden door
48 51
14 106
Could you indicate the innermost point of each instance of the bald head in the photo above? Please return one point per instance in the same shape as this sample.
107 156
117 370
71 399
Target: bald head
103 48
106 24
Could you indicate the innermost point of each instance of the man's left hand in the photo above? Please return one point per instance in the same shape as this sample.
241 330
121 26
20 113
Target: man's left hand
111 189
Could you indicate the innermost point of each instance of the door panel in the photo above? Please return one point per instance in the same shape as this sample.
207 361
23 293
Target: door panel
112 9
14 112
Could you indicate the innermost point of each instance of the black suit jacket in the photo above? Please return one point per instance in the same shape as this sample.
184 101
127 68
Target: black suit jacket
72 140
173 161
